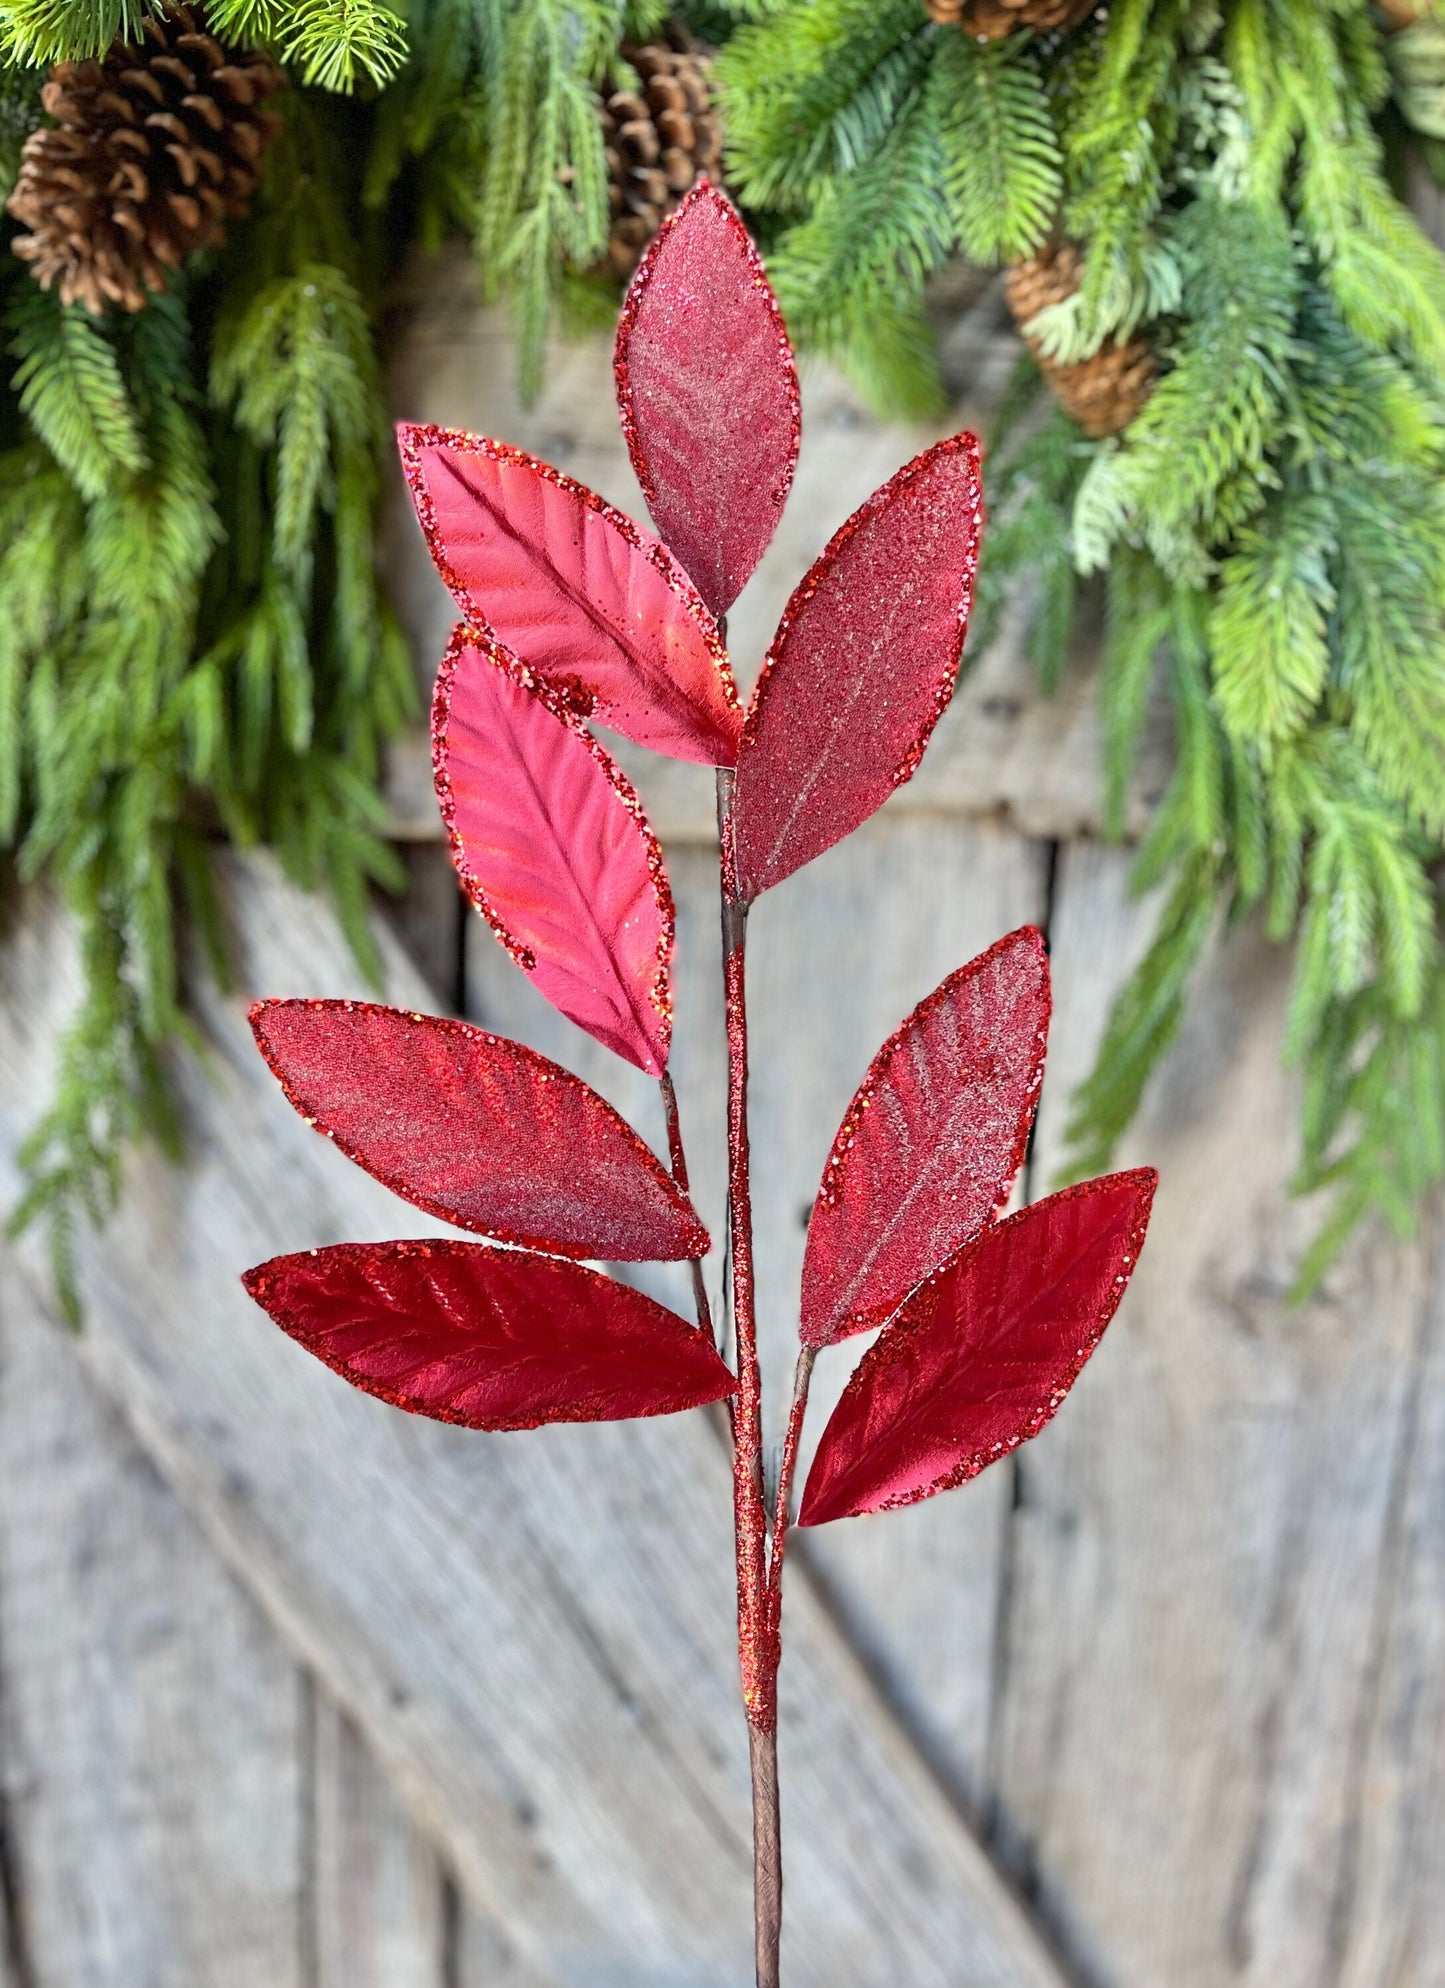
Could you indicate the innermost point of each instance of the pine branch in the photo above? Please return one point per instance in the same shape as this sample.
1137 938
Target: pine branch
850 278
1270 629
1001 161
71 391
815 90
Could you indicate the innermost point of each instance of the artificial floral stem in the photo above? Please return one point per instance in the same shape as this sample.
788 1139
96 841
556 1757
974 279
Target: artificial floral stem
757 1639
677 1159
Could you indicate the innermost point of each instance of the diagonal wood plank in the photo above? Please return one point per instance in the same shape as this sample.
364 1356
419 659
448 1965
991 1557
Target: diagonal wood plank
484 1958
153 1801
534 1632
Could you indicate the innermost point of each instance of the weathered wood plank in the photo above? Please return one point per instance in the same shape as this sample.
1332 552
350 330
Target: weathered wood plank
379 1890
427 918
1201 1557
151 1759
837 957
13 1959
485 1959
1388 1904
534 1632
1003 748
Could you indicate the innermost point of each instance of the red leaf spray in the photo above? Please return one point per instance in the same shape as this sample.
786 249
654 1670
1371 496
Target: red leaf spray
571 612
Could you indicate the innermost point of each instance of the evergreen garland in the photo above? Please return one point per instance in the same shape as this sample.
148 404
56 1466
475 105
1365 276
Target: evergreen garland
191 634
192 640
1271 525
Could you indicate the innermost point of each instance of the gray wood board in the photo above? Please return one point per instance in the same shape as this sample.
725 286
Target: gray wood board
1220 1709
152 1723
836 958
1003 747
535 1632
379 1888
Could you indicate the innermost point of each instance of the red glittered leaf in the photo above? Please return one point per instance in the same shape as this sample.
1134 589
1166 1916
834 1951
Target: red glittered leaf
599 612
982 1354
476 1129
553 848
492 1338
708 394
861 668
931 1142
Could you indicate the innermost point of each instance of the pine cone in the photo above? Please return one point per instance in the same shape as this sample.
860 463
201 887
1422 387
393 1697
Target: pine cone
153 149
1400 14
659 139
991 20
1104 392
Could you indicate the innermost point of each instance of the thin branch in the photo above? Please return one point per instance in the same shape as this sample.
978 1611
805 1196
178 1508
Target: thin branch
757 1638
782 1517
677 1159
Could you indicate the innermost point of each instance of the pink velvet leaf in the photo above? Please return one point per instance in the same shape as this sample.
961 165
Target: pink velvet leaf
601 613
478 1130
553 848
862 667
492 1338
983 1353
931 1143
708 394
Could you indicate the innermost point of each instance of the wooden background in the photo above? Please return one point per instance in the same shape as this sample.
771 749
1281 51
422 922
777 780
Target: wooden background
296 1692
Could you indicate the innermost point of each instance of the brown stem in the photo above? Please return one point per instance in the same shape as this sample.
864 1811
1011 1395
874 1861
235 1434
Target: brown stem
767 1854
678 1161
757 1638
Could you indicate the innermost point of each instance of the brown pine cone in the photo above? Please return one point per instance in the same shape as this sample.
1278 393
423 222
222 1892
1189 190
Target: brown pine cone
991 20
1104 392
1400 14
153 149
659 139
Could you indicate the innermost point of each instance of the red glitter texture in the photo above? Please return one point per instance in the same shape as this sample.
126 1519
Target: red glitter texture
982 1355
862 666
552 846
492 1338
597 610
708 394
932 1140
477 1130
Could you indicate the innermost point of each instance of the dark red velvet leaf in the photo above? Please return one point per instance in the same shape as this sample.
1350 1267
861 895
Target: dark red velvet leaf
598 611
478 1130
982 1354
552 846
932 1140
708 394
492 1338
861 668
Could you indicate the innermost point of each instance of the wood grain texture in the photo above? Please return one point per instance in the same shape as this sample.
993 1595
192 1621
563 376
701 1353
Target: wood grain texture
379 1890
837 957
151 1741
1388 1918
536 1632
1207 1648
428 917
482 1957
1001 748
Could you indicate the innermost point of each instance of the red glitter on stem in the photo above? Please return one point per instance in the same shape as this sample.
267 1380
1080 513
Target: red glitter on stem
802 1377
677 1159
757 1636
